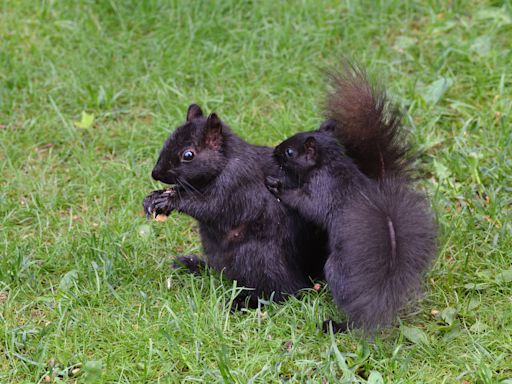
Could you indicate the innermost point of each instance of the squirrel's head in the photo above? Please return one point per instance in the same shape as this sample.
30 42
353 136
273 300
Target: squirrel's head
301 153
193 154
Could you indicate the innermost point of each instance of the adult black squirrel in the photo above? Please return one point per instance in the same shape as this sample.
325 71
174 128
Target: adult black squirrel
219 179
352 178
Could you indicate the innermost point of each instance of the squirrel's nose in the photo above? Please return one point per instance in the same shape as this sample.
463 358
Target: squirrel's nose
155 173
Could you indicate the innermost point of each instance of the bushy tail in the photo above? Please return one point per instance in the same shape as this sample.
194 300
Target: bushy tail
366 123
388 242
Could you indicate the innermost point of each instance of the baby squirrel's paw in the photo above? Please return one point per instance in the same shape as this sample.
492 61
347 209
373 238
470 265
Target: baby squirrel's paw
274 185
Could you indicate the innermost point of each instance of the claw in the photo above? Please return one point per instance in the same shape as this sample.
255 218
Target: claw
158 202
273 185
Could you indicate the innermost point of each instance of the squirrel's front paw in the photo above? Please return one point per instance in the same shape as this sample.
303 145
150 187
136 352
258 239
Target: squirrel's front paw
164 204
158 202
148 202
274 185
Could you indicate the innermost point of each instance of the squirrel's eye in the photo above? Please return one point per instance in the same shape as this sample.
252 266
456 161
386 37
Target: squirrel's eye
290 152
188 155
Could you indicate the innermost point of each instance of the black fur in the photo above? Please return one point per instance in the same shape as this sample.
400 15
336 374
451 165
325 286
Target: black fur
244 230
381 233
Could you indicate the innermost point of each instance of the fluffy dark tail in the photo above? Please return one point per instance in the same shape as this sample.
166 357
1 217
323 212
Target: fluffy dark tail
388 242
366 123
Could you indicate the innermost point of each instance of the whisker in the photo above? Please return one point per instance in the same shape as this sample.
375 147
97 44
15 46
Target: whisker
190 187
178 192
187 189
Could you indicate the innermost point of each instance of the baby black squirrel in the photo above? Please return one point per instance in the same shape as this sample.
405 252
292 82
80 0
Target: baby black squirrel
352 178
219 179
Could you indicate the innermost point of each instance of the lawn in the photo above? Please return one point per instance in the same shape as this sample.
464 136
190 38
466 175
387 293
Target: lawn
89 90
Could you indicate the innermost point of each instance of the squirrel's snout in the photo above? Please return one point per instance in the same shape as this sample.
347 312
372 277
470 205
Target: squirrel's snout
155 173
163 175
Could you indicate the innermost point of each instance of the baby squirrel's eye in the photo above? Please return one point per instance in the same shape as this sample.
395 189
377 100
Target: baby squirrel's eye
290 152
188 155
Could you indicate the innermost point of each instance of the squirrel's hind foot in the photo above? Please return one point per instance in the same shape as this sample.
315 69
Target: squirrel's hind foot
337 327
191 263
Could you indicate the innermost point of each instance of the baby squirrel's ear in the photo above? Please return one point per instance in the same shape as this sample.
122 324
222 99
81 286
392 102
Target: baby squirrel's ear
310 147
328 125
194 111
213 132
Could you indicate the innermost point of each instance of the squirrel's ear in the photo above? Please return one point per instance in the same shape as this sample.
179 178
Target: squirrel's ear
213 132
328 125
194 111
310 147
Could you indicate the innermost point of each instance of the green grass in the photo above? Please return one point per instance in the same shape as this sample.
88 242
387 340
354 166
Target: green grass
83 275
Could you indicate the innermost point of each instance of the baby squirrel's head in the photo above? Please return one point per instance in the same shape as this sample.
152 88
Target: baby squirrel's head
193 154
305 151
